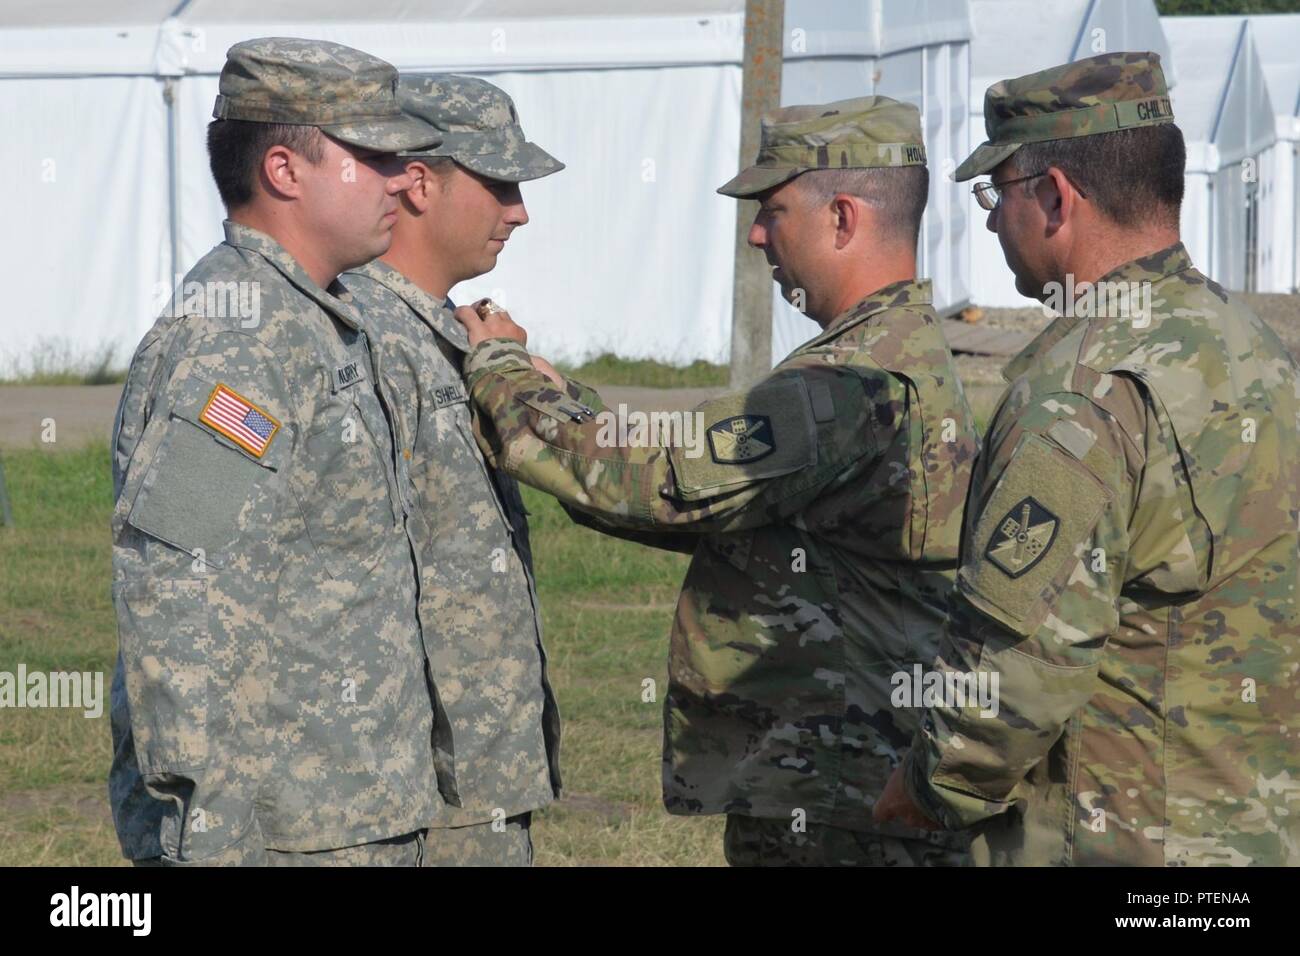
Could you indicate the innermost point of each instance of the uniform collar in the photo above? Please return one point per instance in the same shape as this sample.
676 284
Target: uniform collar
435 312
1153 268
897 295
334 300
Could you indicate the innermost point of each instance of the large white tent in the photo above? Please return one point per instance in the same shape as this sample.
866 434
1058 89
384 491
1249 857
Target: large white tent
1277 41
1223 108
86 246
916 52
629 251
1014 37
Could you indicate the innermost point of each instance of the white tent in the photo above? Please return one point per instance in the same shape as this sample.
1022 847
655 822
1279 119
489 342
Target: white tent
1277 41
1015 37
87 243
916 52
630 249
1223 108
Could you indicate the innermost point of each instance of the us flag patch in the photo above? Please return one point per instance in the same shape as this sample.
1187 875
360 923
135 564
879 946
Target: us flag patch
239 420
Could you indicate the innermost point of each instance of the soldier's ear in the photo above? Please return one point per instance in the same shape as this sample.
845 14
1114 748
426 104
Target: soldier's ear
848 218
279 172
417 196
1057 197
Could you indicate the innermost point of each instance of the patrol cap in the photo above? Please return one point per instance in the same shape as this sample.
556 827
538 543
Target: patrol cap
479 126
349 94
869 132
1101 94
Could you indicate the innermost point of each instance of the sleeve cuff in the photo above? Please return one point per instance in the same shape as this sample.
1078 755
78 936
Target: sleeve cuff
494 355
954 809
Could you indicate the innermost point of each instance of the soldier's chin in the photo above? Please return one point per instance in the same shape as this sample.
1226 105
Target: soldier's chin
1029 288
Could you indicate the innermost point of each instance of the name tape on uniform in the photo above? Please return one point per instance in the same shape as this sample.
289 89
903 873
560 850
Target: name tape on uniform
445 395
345 376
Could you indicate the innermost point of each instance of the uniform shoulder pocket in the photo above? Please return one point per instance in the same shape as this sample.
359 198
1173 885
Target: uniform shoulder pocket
203 476
1044 507
761 433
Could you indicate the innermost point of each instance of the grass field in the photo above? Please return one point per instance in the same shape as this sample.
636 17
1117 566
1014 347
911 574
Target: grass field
59 362
646 373
607 608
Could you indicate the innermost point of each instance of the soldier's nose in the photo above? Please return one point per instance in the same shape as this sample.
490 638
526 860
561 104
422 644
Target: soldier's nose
757 236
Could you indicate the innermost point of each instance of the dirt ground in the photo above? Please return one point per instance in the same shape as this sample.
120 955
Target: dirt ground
85 413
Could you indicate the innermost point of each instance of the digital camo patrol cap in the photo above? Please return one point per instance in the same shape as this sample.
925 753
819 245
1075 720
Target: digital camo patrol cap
349 94
479 126
869 132
1101 94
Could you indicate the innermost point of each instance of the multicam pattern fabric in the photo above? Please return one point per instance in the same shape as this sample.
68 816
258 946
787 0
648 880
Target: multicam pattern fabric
1148 659
866 132
478 602
821 565
479 126
349 94
1101 94
270 689
750 841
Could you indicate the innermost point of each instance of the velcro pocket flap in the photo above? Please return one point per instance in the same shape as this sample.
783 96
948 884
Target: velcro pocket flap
748 436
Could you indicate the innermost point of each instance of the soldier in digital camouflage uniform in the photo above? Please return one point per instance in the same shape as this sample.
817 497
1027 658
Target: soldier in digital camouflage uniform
823 516
1129 565
477 587
270 702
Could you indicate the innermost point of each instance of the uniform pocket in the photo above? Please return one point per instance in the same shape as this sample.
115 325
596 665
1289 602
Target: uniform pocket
199 487
766 432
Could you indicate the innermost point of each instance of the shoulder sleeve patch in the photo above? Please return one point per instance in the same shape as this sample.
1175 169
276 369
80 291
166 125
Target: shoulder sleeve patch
198 483
1045 505
230 414
749 436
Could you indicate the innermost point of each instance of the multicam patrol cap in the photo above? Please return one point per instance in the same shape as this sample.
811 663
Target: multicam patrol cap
349 94
479 126
863 133
1101 94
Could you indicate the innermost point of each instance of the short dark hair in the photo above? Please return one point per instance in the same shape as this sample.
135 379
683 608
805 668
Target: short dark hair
1135 176
440 167
236 148
899 193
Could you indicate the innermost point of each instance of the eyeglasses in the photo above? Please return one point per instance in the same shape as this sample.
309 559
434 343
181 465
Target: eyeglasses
989 194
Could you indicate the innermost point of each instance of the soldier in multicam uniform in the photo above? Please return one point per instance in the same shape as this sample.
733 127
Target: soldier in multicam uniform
478 599
823 519
1129 564
270 702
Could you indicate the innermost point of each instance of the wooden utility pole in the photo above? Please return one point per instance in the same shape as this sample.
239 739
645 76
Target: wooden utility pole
751 301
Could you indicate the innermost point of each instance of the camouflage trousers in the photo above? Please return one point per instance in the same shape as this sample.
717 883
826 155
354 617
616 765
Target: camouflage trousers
752 841
475 845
